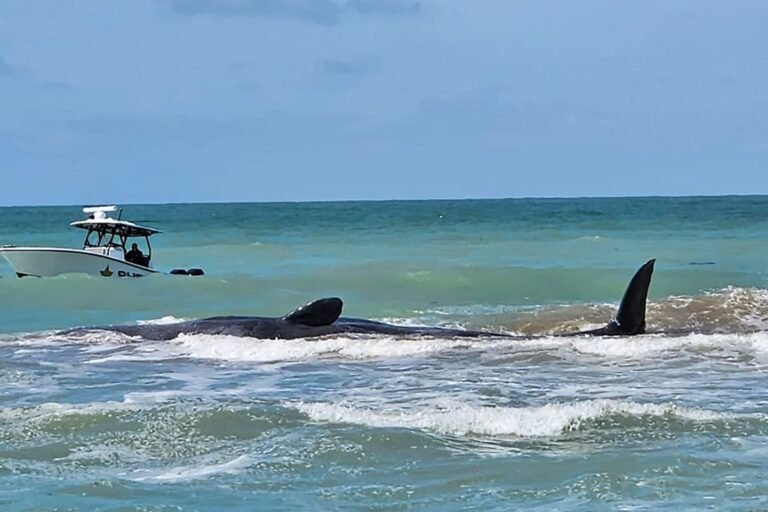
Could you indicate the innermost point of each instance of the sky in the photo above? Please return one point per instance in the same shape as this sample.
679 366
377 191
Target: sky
156 101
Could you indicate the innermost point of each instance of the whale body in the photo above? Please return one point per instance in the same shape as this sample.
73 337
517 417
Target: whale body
322 317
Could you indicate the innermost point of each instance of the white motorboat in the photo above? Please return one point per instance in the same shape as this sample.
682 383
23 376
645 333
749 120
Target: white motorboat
104 250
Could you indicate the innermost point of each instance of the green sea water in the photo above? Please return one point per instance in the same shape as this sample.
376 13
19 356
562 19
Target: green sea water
672 420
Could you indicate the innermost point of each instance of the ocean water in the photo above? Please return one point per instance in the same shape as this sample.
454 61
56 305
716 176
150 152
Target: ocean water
676 419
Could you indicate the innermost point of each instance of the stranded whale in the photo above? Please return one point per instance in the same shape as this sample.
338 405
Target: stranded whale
323 317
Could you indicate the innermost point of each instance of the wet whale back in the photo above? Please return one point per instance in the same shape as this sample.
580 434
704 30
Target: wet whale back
321 317
317 313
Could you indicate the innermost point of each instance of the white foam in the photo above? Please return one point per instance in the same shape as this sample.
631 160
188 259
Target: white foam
165 320
758 342
132 402
639 347
105 453
35 339
750 303
626 347
50 410
107 347
144 351
186 473
102 348
464 419
157 397
195 385
231 348
28 384
95 337
234 349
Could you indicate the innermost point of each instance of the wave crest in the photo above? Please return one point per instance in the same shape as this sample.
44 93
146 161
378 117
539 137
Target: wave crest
463 419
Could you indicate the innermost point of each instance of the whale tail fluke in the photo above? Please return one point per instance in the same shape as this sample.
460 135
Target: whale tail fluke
630 317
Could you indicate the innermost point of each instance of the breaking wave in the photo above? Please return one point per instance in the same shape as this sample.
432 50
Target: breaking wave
542 421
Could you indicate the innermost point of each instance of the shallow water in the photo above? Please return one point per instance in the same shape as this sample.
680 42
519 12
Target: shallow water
675 419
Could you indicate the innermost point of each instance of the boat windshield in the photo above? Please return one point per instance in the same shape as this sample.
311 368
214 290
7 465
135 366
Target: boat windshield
106 232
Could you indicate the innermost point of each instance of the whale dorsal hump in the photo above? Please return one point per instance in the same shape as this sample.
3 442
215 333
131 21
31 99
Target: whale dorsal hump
317 313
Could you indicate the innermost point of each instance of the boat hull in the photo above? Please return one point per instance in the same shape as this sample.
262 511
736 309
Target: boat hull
51 261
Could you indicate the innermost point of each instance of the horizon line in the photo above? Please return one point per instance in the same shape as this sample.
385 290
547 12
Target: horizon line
390 200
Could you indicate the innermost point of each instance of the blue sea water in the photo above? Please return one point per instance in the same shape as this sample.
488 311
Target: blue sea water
672 420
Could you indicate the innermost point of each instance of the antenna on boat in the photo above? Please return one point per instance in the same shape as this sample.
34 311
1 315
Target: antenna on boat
119 213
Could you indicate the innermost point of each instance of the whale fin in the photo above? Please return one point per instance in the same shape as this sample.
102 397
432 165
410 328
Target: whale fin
630 317
316 313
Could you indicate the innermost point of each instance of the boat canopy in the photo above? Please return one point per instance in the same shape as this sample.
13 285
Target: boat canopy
121 228
99 222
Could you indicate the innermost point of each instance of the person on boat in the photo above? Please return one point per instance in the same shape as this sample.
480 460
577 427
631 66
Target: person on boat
135 255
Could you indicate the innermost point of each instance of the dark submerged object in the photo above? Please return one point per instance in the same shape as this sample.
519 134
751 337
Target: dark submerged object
323 317
185 272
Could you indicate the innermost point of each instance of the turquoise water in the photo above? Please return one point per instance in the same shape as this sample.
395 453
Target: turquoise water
676 419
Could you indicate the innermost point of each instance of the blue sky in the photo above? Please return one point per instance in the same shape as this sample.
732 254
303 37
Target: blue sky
272 100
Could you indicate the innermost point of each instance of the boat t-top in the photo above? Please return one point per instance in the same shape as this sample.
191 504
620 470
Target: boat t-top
105 250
